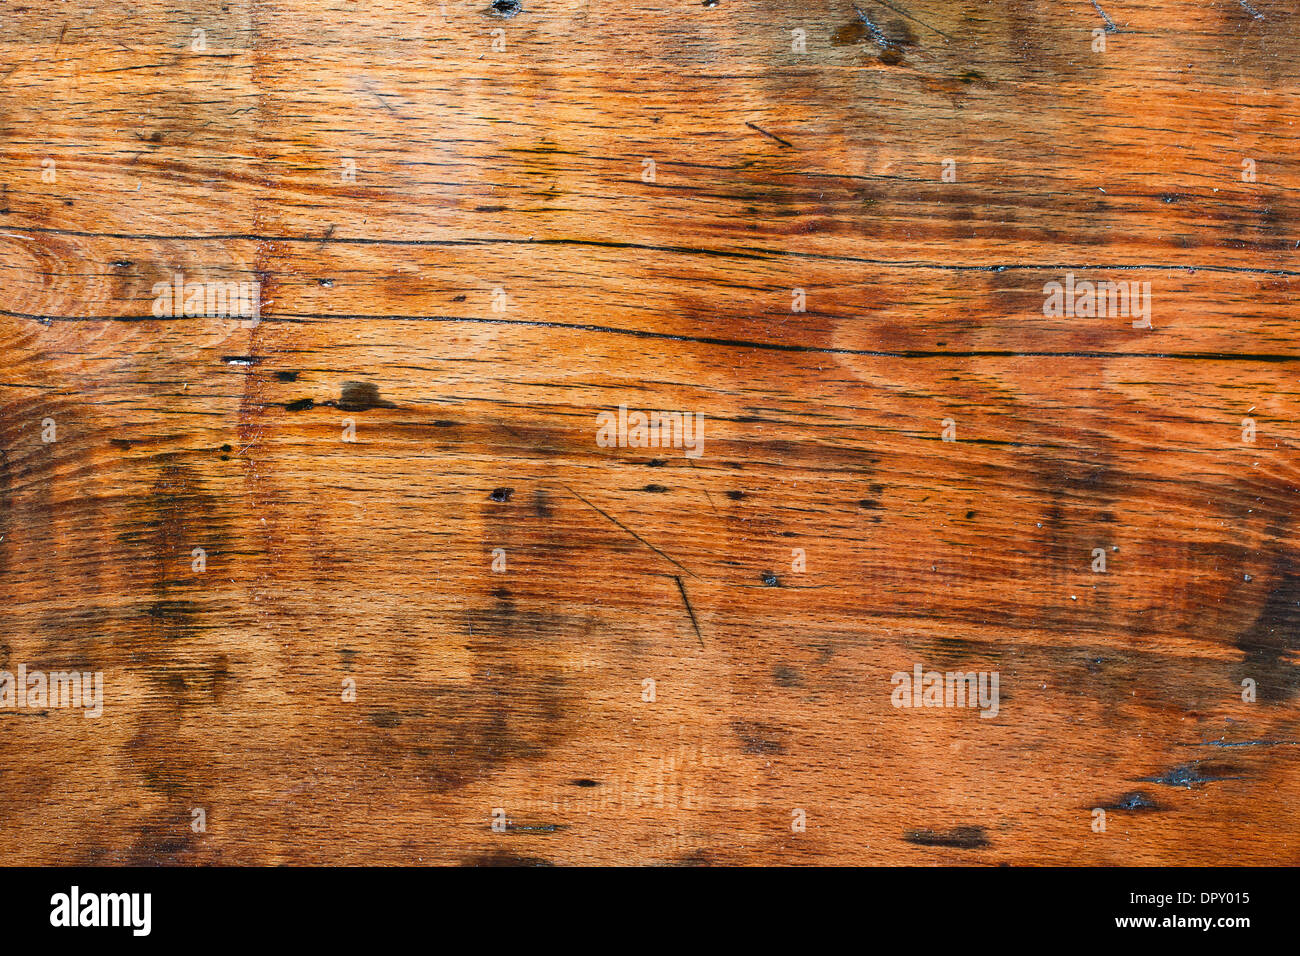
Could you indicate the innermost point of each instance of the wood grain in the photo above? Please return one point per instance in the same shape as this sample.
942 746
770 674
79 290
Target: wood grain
483 171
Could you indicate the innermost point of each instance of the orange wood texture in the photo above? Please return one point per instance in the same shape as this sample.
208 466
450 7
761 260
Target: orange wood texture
501 269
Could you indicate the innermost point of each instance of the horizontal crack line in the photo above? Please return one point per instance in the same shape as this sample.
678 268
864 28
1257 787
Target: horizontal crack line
698 339
745 252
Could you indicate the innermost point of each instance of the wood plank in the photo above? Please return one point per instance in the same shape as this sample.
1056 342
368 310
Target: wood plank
499 274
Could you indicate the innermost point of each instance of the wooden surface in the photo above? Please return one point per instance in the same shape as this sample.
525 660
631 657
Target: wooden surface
475 429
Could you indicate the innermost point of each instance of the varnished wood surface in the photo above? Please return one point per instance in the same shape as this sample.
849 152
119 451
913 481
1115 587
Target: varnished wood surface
480 169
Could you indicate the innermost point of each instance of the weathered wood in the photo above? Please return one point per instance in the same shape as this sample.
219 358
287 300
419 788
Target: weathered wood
499 273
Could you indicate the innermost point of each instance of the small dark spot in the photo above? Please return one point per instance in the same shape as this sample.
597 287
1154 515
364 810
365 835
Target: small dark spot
505 9
657 489
770 579
361 397
757 738
586 782
962 838
326 283
385 718
459 298
443 423
971 76
787 676
541 504
897 32
708 3
735 495
875 487
1135 801
870 504
969 515
1170 198
123 264
853 32
226 448
121 442
301 405
656 462
891 57
287 376
501 494
489 208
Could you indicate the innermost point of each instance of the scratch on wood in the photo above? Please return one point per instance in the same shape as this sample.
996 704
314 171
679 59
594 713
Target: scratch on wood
1188 775
689 610
611 518
1245 743
877 34
708 496
760 129
1110 24
382 101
